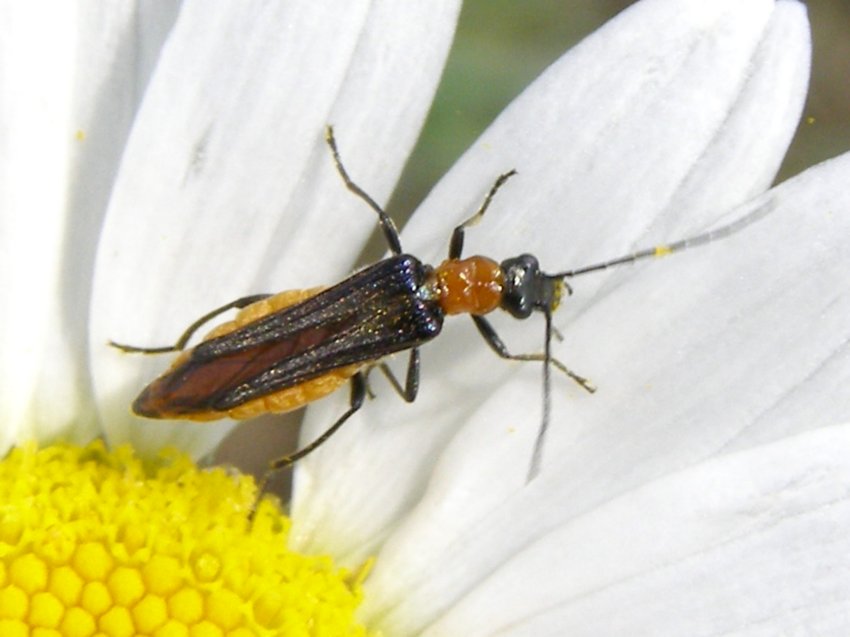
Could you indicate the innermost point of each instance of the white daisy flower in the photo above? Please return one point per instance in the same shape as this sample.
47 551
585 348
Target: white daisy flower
165 161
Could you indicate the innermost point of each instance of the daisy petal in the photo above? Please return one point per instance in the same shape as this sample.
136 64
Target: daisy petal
226 187
741 545
610 143
63 131
746 369
638 134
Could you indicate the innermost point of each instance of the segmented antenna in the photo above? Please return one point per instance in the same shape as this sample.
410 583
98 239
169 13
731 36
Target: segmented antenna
656 251
663 250
537 454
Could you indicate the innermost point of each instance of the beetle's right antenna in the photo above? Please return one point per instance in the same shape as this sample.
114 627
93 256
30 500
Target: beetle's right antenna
663 250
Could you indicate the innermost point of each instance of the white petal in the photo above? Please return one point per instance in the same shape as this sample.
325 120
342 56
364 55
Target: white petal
669 400
69 89
227 188
613 136
754 543
636 123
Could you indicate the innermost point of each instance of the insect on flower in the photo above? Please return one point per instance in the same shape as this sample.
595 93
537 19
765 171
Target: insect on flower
285 350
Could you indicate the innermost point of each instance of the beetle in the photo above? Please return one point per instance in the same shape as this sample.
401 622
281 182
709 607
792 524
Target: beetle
283 351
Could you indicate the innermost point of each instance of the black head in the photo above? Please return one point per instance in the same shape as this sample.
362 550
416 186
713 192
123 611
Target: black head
528 289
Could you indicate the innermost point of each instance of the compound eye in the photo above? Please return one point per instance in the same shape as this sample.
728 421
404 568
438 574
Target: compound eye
520 294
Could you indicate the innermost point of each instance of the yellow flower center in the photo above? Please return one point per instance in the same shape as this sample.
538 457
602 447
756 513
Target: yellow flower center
98 543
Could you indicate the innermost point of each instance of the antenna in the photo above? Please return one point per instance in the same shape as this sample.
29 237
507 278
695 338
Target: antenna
662 250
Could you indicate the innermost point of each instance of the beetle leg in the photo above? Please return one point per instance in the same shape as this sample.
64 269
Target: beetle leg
387 224
239 303
358 394
456 243
411 381
498 346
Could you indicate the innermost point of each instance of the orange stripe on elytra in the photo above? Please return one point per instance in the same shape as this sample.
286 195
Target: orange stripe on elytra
285 399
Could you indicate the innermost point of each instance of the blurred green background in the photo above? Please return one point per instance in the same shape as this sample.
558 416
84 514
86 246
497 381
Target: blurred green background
502 45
